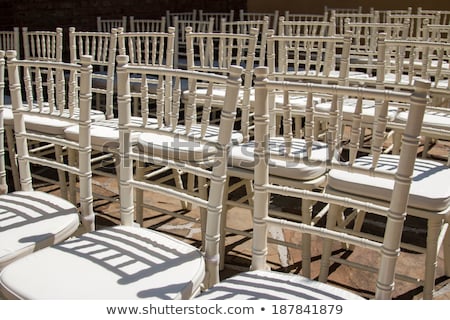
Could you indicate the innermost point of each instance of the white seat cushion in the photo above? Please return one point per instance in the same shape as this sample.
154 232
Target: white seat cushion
180 148
268 285
112 263
242 156
434 119
430 189
349 105
47 125
33 220
106 133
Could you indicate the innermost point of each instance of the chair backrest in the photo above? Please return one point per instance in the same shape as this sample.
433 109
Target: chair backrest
305 16
148 25
148 48
180 35
328 9
416 22
244 27
215 52
444 15
305 27
307 57
190 146
61 94
436 32
384 13
363 51
10 40
3 181
340 19
218 17
43 45
101 46
403 61
267 154
107 24
253 16
187 15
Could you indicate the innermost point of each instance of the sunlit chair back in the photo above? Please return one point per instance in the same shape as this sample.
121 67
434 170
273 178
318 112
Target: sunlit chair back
107 24
62 95
148 25
215 52
43 45
102 47
244 27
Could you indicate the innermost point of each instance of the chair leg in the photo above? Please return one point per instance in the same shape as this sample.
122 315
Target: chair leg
61 174
333 211
72 158
447 251
433 231
307 207
139 194
426 147
12 157
203 192
223 224
396 139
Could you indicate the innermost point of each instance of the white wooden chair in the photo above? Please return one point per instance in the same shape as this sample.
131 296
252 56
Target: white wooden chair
302 59
32 219
143 48
37 46
261 282
180 36
399 67
148 25
254 16
125 262
214 53
244 27
107 24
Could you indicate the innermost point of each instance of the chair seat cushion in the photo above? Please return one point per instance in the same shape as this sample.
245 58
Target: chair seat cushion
242 156
105 133
47 125
430 189
268 285
433 118
112 263
179 147
349 105
33 220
